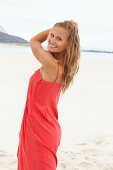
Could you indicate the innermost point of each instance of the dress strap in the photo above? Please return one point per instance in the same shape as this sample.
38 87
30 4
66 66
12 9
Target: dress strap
57 72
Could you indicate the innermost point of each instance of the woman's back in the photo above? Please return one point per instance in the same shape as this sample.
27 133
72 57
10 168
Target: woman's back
51 75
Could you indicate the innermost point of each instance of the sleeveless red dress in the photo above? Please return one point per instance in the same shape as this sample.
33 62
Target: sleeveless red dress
40 132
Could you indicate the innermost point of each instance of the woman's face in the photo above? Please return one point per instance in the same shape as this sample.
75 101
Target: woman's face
57 39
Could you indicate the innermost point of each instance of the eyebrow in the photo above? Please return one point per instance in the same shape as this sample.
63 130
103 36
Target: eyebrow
57 36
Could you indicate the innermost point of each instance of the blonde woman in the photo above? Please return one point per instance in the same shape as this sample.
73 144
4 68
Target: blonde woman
40 132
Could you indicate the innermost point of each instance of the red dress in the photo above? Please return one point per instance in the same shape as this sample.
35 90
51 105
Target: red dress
40 132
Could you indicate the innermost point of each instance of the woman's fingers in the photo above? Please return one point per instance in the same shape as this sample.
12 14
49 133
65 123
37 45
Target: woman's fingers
75 23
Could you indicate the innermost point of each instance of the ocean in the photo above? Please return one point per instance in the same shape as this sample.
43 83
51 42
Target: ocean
91 54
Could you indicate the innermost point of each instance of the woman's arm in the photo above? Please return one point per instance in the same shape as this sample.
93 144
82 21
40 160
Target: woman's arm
42 36
42 55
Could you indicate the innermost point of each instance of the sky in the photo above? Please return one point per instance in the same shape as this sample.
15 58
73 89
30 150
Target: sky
26 18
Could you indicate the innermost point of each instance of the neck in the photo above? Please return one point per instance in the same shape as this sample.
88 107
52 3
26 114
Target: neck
58 57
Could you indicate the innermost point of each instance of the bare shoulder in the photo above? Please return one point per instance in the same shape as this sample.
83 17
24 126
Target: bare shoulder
50 74
42 55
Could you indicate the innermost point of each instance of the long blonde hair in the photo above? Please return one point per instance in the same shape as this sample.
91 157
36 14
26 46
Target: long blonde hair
72 54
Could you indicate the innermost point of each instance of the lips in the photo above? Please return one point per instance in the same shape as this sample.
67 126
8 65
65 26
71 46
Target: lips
52 46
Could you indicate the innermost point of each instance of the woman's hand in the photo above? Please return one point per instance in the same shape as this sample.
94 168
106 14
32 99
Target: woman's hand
75 23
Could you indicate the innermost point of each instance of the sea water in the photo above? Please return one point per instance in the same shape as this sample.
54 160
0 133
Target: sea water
103 54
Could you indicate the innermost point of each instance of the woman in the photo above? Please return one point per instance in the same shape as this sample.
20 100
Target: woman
40 132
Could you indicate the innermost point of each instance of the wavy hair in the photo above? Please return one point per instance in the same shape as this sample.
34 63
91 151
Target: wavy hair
71 55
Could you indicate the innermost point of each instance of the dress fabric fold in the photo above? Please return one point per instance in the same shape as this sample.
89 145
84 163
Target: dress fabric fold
40 132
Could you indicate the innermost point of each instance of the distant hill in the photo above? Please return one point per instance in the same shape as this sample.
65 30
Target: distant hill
2 29
7 38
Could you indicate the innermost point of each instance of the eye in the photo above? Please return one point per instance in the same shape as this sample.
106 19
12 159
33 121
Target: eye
52 34
59 38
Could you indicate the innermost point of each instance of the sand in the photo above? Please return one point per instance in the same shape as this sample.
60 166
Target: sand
85 112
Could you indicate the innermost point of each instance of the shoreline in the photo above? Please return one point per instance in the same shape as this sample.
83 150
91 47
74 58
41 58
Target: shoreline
27 45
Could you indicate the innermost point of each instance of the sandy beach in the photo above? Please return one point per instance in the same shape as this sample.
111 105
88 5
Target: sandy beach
85 112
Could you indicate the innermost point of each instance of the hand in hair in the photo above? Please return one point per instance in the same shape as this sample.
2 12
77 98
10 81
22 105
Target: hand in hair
75 23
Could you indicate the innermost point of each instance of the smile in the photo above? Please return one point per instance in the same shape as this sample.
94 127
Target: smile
52 46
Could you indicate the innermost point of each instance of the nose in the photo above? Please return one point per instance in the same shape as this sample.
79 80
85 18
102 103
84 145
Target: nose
53 41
